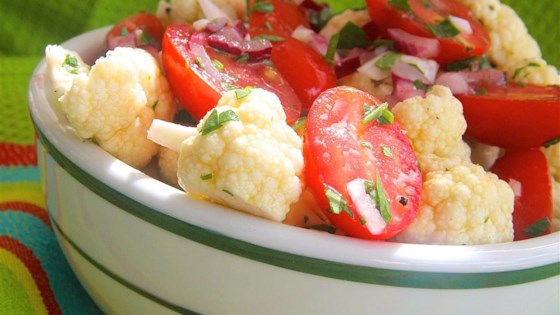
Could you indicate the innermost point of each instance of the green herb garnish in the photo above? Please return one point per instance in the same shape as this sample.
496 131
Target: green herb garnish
384 42
387 60
216 121
419 85
227 192
366 144
445 29
331 49
551 142
206 176
71 64
518 70
244 92
218 65
378 197
400 4
351 35
537 229
263 7
386 150
269 37
337 204
381 113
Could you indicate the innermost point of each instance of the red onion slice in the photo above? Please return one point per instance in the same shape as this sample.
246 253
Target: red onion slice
414 45
404 89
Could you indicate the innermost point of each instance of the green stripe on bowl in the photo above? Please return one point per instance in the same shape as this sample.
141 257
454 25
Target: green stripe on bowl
117 278
336 270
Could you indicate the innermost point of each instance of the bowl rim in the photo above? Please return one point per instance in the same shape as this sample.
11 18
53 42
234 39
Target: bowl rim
270 242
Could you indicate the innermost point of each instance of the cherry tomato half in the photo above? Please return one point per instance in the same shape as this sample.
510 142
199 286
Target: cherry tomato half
199 75
533 204
430 18
304 68
365 176
276 17
143 21
514 116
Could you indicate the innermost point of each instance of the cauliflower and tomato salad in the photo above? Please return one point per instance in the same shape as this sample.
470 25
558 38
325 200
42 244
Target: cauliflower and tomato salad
407 121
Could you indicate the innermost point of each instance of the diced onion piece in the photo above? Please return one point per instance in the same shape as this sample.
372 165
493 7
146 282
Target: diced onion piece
404 89
365 207
455 81
170 135
371 70
413 68
319 43
461 24
515 186
414 45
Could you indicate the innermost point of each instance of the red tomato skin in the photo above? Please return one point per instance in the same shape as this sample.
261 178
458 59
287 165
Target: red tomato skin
282 20
328 162
197 96
530 168
198 92
304 69
452 49
513 117
140 21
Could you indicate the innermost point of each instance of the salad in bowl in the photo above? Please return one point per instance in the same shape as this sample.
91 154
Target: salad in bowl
404 123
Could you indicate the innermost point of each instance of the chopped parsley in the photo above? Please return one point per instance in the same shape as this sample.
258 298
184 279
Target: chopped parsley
378 197
269 37
384 42
386 150
218 65
300 123
216 121
323 228
244 92
227 192
445 29
387 60
551 142
351 35
155 104
537 229
206 176
337 204
366 144
400 4
518 70
380 113
318 19
419 85
331 49
263 7
71 64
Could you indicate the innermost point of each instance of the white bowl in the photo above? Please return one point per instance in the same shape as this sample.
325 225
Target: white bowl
140 246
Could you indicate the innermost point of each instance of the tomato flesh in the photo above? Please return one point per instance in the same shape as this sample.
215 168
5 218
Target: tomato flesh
282 19
143 21
198 84
533 205
339 149
513 116
423 13
308 73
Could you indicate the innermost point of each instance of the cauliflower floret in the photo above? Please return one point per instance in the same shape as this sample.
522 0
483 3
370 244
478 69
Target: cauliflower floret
380 89
435 124
167 164
251 161
462 206
188 11
461 203
512 46
63 66
115 103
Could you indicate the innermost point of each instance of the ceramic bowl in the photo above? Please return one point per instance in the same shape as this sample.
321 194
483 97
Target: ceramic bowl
140 246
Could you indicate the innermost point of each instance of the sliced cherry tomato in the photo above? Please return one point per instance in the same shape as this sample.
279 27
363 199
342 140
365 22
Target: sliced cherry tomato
277 17
199 75
146 22
431 18
365 176
527 172
514 116
304 68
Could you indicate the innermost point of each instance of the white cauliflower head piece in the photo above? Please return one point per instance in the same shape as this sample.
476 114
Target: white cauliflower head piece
115 102
462 206
435 125
252 162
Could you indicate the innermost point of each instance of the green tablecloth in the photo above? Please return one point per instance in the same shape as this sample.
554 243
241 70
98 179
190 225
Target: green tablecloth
34 276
